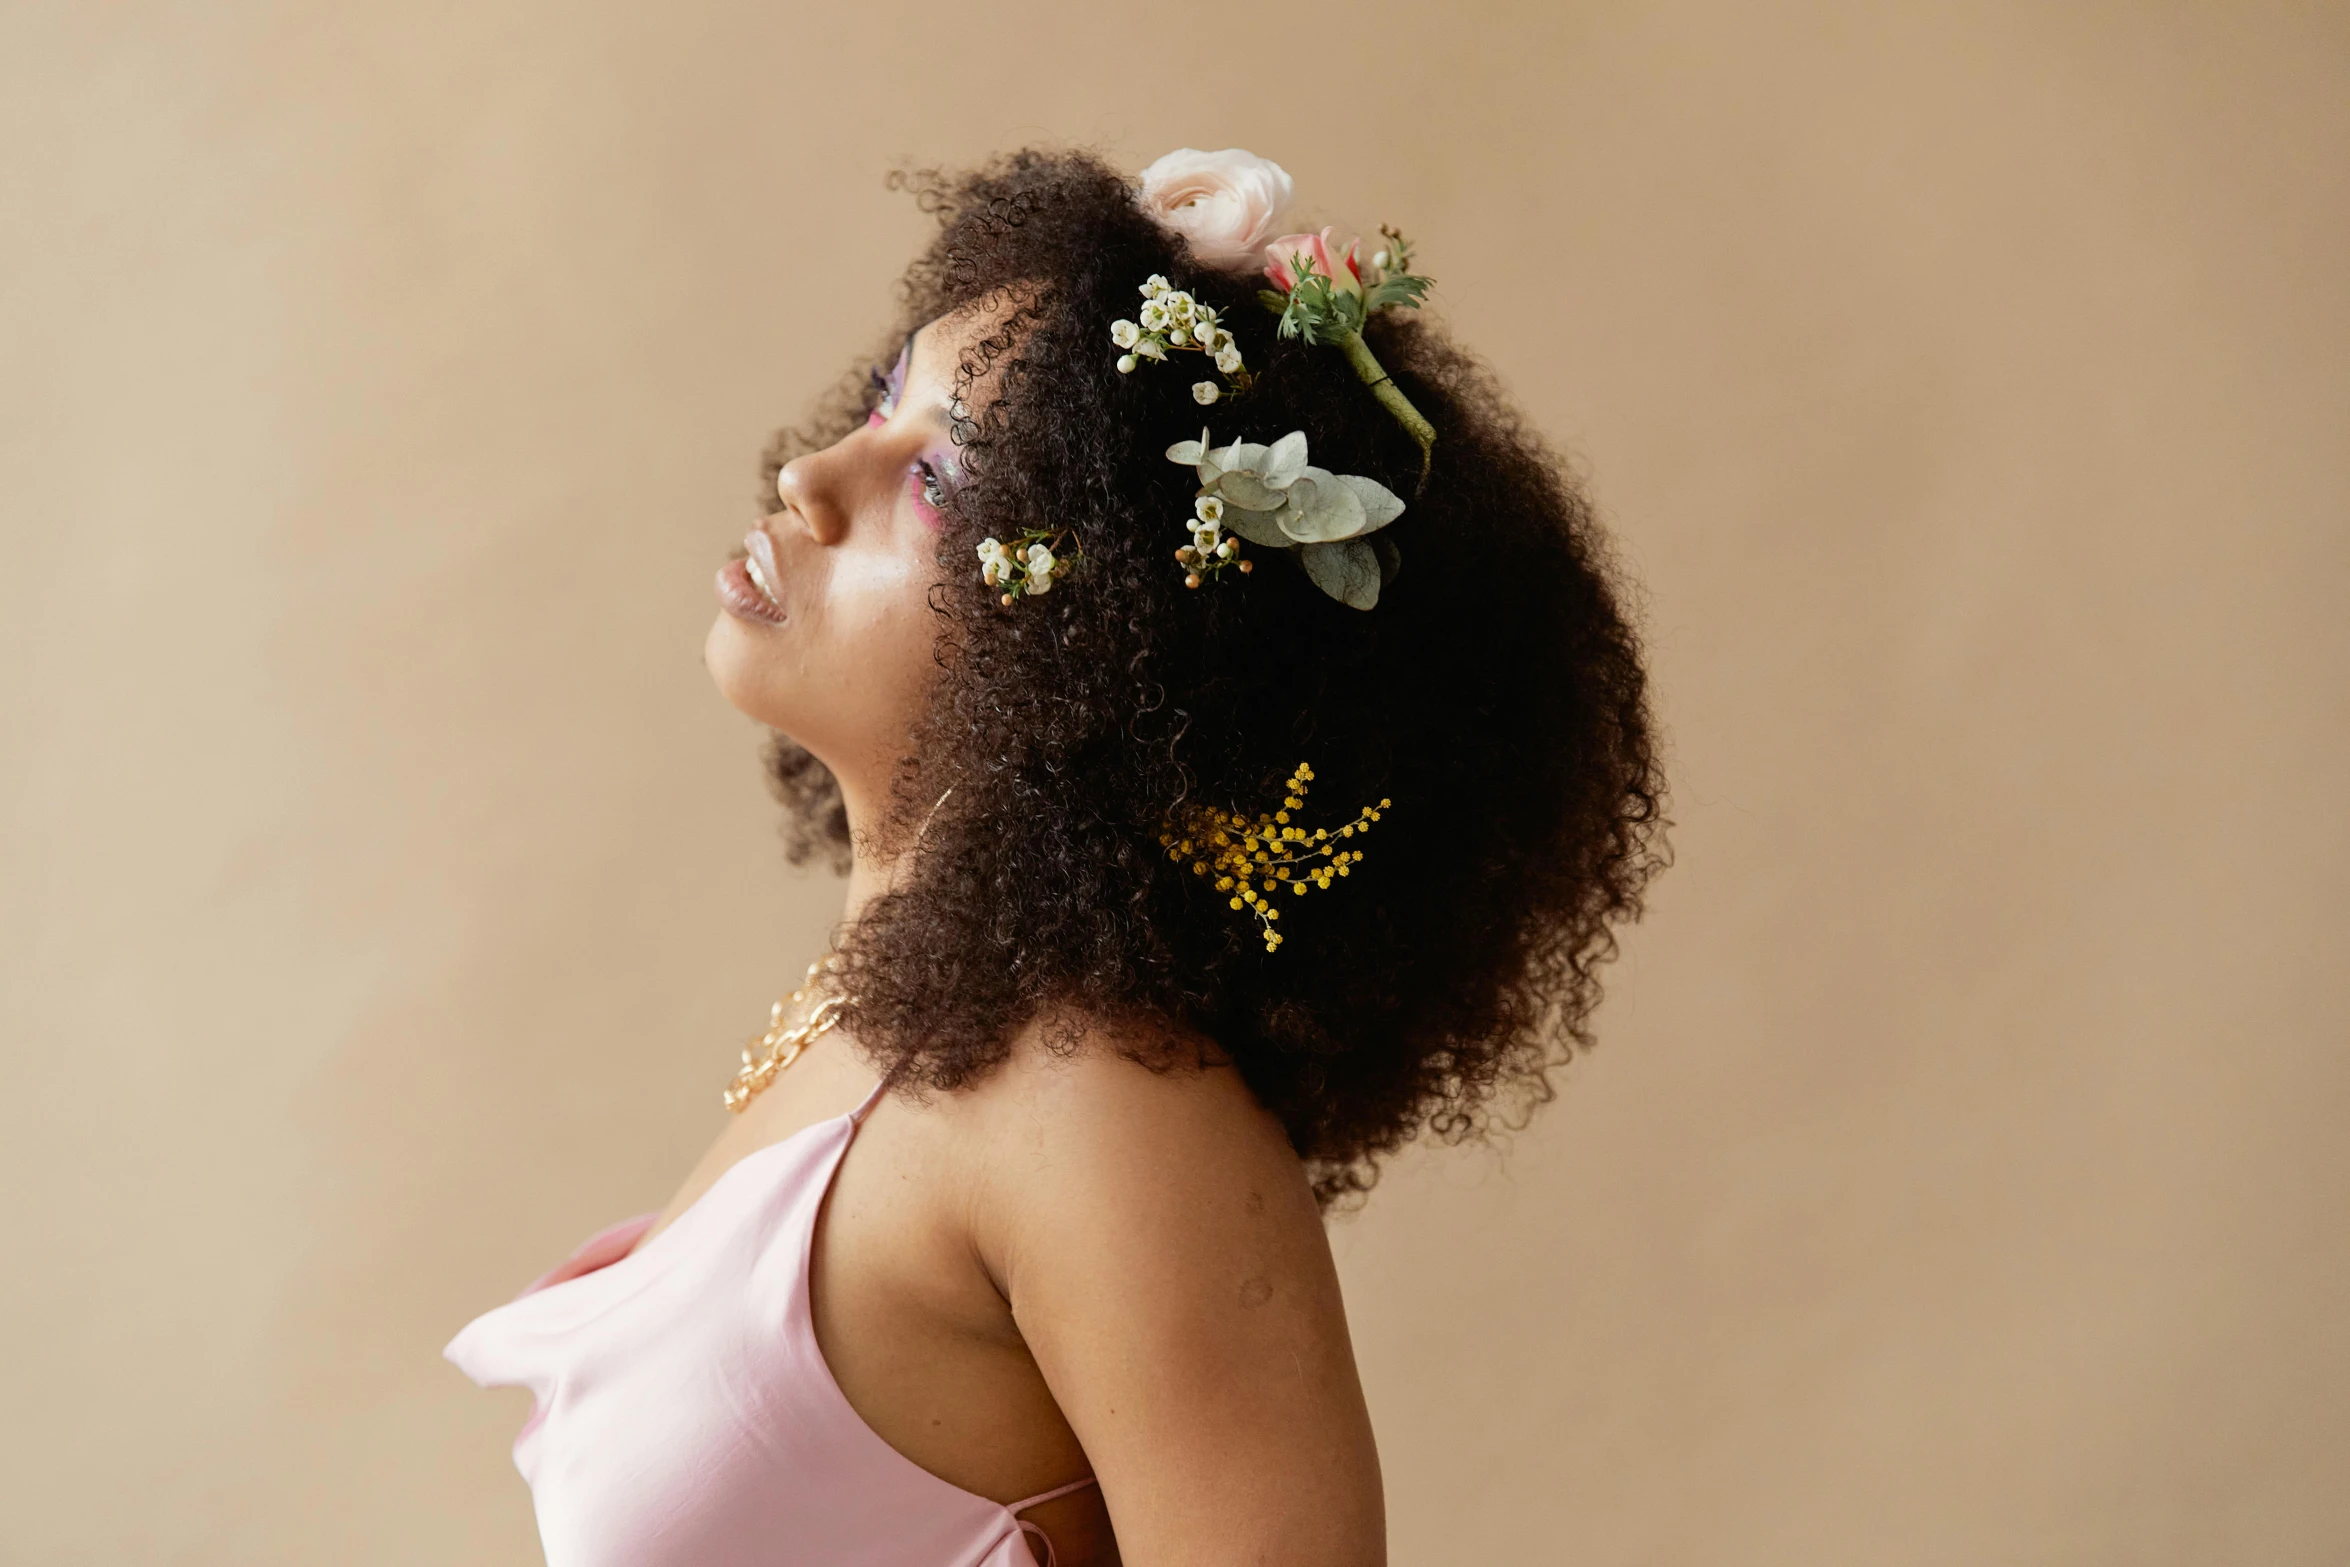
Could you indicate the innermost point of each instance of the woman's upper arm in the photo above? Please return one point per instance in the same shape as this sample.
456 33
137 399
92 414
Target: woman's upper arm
1167 1267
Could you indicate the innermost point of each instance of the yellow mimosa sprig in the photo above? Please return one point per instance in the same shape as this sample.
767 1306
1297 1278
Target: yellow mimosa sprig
1251 858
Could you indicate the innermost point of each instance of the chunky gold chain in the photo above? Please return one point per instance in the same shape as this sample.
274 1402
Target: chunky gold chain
781 1044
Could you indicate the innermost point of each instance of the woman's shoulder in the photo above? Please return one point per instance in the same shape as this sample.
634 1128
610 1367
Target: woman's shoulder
1087 1122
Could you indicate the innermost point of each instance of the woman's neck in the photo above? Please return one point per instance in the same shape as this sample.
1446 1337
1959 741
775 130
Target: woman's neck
873 871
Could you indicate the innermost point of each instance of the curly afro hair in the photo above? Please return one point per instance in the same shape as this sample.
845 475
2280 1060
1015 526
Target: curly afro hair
1495 694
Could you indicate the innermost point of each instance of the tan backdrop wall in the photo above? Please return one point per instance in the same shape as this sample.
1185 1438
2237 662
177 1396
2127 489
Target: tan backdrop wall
1962 1175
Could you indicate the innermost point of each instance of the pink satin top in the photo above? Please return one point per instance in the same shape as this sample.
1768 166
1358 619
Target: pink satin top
685 1415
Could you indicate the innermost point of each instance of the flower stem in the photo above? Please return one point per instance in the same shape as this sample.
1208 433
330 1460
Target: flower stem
1358 353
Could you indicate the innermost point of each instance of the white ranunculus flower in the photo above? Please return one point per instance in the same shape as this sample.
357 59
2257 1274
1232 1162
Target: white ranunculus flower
1226 204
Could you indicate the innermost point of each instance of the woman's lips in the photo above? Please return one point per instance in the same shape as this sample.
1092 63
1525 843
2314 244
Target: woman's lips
746 587
765 576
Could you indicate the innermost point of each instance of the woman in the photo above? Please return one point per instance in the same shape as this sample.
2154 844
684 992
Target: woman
1220 809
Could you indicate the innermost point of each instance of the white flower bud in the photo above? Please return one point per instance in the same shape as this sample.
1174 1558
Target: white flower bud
1227 549
1125 364
1205 392
1178 337
1379 259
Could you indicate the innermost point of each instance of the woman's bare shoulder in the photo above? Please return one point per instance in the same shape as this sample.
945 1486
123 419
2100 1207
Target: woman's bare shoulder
1077 1101
1157 1241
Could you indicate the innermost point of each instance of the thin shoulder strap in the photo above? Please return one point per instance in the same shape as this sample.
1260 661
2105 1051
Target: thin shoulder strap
1055 1493
857 1116
1033 1531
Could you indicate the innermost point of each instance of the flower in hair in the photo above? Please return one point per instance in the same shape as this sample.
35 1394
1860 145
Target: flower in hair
1252 858
1030 564
1321 295
1225 204
1172 319
1302 255
1271 496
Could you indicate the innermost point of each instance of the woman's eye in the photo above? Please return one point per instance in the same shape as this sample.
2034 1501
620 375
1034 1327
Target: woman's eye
929 486
885 395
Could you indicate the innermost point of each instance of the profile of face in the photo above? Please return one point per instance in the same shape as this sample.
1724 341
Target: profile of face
825 631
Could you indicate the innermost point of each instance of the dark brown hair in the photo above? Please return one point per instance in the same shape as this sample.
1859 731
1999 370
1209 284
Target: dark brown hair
1495 694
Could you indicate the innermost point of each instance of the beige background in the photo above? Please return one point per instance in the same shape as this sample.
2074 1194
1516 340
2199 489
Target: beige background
1962 1176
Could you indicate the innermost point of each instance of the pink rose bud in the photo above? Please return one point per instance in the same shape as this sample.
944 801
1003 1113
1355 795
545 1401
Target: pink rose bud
1344 271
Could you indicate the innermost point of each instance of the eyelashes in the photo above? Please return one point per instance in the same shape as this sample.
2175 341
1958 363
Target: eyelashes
929 488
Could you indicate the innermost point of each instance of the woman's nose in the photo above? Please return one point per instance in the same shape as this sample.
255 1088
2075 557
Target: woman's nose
809 487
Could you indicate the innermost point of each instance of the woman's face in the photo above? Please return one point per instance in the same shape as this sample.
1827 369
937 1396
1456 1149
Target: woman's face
825 631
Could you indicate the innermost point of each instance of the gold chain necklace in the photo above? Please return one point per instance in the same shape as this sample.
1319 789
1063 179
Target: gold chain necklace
782 1043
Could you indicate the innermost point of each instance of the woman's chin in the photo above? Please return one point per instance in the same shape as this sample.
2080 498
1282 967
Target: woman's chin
741 658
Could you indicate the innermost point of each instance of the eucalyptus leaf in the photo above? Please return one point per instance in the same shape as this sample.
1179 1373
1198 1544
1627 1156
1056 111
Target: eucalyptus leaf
1257 527
1348 571
1381 505
1284 460
1321 510
1247 491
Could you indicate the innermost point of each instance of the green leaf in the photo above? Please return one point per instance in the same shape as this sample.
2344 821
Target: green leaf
1406 290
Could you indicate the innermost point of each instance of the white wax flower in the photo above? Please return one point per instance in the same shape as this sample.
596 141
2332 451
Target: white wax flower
1125 333
1205 392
